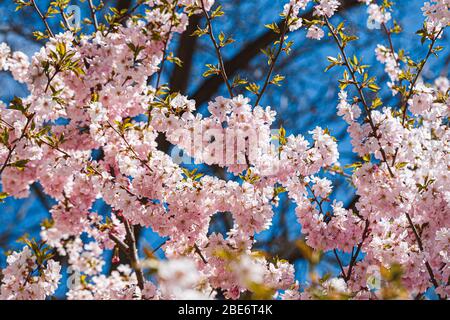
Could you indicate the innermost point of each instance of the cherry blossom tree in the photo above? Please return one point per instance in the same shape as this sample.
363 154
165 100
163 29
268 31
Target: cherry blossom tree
88 130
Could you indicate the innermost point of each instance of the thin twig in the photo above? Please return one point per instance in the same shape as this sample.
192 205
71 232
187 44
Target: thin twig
67 25
340 264
124 16
50 79
166 44
134 257
6 123
360 93
130 147
161 69
275 58
93 14
55 148
319 203
365 234
11 150
159 246
43 18
64 19
122 245
199 252
217 48
391 45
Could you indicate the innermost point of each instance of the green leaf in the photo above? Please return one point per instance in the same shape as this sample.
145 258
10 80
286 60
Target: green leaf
277 79
61 49
237 81
282 136
250 177
217 12
20 164
273 26
401 165
374 87
192 175
17 104
376 103
175 60
253 88
199 32
4 138
3 196
221 36
212 69
223 40
354 166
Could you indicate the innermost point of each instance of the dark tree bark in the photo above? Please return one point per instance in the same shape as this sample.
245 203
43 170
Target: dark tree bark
187 45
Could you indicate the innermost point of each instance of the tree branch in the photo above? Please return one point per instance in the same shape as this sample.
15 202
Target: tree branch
275 58
43 18
217 48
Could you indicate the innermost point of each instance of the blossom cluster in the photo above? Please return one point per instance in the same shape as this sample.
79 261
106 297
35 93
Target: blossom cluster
418 189
24 278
